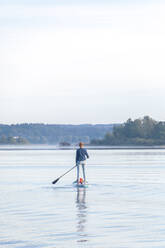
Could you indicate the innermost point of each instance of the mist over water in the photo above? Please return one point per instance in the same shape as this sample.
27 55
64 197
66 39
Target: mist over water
123 207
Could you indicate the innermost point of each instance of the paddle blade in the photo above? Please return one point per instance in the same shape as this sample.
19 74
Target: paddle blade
55 181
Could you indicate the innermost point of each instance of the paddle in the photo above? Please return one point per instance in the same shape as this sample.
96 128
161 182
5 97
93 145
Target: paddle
55 181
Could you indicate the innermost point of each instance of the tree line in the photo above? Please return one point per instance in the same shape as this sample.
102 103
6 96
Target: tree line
142 131
31 133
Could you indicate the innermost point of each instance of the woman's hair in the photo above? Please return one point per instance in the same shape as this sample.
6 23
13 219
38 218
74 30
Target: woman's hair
81 144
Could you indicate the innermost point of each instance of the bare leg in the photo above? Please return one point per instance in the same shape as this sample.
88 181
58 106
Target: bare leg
83 169
78 171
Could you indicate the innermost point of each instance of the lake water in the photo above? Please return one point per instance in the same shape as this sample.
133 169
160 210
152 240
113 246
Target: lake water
123 207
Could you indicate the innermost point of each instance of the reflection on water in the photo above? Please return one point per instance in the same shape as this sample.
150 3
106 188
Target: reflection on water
81 214
122 208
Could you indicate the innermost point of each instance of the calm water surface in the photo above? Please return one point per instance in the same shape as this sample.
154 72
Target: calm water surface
123 207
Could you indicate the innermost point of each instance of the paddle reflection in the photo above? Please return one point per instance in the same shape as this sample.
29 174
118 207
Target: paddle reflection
81 214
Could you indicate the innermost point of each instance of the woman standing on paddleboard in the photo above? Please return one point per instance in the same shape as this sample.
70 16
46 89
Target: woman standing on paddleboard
81 156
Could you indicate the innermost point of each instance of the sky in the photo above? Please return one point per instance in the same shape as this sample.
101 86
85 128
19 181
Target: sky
81 61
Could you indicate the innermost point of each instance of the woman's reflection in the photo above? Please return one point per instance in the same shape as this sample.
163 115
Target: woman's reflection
81 214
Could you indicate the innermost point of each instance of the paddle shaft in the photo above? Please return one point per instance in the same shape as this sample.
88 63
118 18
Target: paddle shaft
67 171
63 175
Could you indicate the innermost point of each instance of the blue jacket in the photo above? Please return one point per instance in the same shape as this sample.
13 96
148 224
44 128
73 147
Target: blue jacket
81 154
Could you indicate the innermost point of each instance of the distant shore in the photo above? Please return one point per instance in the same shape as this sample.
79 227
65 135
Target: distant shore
56 147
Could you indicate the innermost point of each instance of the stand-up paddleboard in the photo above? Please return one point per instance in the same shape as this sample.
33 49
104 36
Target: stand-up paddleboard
80 184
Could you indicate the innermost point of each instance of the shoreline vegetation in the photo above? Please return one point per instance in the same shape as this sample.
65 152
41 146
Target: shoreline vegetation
52 134
139 133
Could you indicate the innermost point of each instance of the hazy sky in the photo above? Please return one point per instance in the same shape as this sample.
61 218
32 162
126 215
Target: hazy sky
81 61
